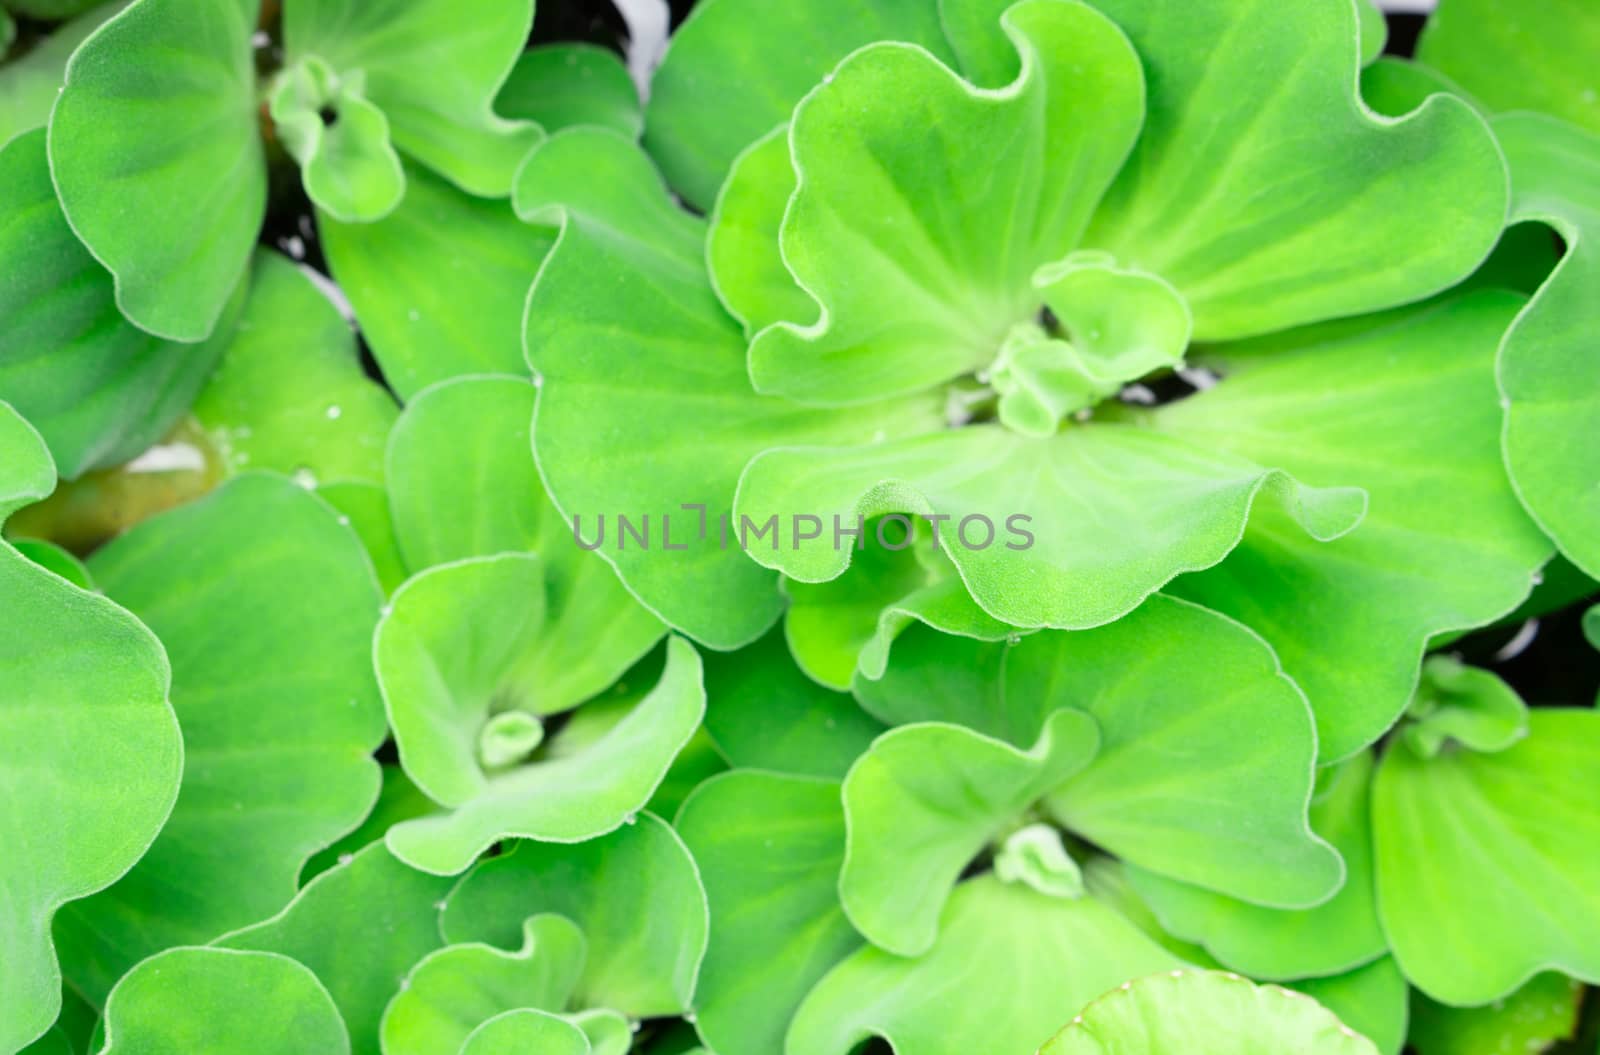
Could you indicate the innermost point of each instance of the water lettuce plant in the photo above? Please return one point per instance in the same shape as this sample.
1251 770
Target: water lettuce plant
1033 527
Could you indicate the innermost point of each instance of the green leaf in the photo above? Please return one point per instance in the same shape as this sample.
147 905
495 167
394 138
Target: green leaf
433 68
1521 56
523 1031
924 800
1374 30
1007 962
570 798
1270 197
1205 1013
158 120
55 1042
1591 626
764 713
635 893
98 388
190 1000
742 242
53 558
1371 1000
1071 532
367 507
1532 1019
769 848
1548 372
289 394
452 991
437 285
340 139
562 85
1394 87
898 154
1438 551
1456 703
90 753
1169 723
29 83
359 927
736 68
1486 866
263 702
645 408
1338 935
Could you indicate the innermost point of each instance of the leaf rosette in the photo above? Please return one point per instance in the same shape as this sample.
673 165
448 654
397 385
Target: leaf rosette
944 264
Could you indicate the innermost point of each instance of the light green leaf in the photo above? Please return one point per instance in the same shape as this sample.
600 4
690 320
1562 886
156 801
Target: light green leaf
571 798
1372 1000
1456 703
1394 87
437 285
341 140
1205 1013
1072 532
1438 550
956 196
1531 1019
53 558
562 85
158 120
645 408
1270 197
289 394
1487 871
1374 30
359 927
262 702
742 243
29 83
635 893
189 1000
924 800
433 68
1528 56
1549 374
453 990
735 69
1007 962
367 507
90 753
1269 944
769 849
98 388
764 713
525 1031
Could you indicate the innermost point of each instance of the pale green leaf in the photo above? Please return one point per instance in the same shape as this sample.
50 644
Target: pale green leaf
525 1031
271 680
735 69
1458 704
1444 545
1270 197
433 67
90 753
359 927
1372 1000
1008 964
99 389
1487 871
1269 944
574 797
769 849
645 409
635 893
924 800
289 394
1549 374
158 121
366 505
341 140
1526 56
562 85
1205 1013
923 205
29 84
453 990
437 285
